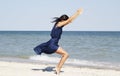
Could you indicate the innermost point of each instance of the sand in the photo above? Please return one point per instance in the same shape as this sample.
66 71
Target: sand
31 69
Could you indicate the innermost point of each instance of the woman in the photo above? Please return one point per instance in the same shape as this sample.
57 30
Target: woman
52 45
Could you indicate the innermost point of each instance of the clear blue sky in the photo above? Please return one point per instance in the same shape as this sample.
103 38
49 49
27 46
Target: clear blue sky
99 15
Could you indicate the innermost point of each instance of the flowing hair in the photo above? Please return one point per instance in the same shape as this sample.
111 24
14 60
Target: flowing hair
58 19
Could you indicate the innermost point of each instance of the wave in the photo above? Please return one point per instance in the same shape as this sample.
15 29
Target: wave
77 62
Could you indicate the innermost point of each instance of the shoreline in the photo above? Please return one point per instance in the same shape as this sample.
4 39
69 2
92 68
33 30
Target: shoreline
11 68
38 62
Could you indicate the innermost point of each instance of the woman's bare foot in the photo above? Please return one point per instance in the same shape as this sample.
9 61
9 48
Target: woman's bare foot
57 71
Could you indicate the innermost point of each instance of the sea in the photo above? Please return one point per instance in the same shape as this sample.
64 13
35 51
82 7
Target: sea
100 49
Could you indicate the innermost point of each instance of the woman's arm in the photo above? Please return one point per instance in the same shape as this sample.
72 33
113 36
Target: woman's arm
74 16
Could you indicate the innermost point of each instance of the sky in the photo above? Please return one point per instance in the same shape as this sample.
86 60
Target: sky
36 15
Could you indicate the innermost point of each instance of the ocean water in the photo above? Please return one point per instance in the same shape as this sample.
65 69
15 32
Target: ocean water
86 48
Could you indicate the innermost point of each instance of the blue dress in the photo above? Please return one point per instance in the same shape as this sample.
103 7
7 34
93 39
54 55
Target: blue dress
50 46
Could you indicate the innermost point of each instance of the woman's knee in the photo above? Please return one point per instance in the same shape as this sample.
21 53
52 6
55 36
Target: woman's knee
67 55
62 52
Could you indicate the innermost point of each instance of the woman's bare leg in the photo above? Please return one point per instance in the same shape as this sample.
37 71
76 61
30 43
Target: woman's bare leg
64 55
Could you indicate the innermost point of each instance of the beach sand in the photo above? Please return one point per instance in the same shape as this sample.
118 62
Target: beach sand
31 69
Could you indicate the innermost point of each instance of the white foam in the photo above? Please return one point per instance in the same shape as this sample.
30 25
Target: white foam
56 59
72 61
44 58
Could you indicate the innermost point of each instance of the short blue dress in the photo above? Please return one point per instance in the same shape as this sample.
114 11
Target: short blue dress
50 46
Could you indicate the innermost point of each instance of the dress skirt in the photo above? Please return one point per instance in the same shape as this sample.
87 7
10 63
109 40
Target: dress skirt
48 47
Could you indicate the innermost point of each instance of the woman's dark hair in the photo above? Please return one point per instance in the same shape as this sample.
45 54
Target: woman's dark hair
58 19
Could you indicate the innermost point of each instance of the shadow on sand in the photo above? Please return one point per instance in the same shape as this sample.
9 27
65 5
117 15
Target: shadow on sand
48 69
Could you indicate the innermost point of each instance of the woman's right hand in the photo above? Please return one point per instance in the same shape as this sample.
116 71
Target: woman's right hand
80 11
